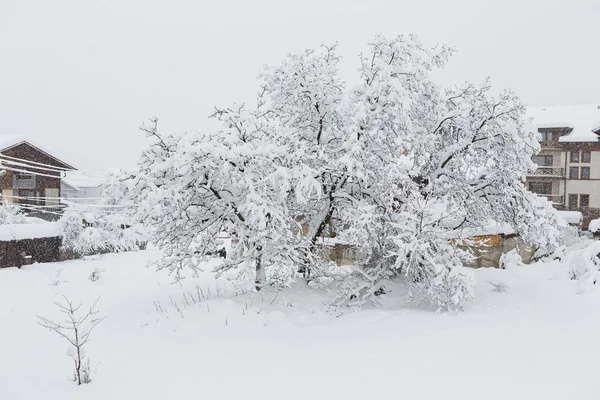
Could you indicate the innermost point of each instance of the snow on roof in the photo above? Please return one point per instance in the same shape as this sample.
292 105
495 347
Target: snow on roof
78 180
572 217
29 231
10 140
7 141
583 120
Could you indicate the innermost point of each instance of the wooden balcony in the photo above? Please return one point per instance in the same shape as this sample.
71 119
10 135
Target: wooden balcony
552 146
548 172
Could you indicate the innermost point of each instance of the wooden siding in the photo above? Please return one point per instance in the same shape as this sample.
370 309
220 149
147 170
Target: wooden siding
26 152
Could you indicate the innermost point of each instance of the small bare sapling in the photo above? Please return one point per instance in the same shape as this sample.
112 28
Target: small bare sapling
76 329
499 287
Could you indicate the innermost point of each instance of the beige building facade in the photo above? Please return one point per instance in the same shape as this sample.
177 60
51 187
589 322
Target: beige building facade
568 172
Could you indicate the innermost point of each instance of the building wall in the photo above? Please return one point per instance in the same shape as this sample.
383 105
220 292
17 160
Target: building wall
591 186
558 157
7 196
562 185
92 193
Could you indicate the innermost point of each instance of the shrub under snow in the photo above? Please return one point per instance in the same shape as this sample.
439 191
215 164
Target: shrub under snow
11 214
106 234
584 262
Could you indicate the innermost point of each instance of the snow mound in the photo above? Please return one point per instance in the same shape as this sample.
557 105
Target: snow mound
572 217
594 226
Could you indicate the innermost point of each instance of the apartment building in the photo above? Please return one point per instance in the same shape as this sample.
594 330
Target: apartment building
568 172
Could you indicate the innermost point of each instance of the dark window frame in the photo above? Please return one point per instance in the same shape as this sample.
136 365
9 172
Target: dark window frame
547 138
588 173
583 156
573 175
547 188
575 157
581 197
573 204
545 162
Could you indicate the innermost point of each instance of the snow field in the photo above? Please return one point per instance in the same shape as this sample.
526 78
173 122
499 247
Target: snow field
535 340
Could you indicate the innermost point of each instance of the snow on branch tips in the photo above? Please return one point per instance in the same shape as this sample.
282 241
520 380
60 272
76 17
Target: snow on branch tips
394 166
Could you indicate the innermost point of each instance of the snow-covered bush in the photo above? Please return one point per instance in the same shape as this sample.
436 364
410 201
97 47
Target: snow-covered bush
589 281
510 260
568 236
583 262
102 232
11 214
394 165
594 227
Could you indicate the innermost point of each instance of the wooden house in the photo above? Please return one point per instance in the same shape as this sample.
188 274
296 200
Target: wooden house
29 175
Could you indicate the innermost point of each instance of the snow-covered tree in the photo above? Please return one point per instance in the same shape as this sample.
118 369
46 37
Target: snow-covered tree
447 160
190 188
304 96
398 166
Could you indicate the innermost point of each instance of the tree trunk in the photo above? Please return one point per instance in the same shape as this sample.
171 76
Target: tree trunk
305 269
260 277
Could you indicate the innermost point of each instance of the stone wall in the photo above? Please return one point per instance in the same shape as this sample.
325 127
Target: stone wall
341 254
486 249
489 249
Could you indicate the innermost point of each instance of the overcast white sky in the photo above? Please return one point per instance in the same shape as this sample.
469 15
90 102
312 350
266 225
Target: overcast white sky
81 76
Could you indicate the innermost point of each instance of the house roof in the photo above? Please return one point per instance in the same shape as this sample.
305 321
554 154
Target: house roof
8 141
582 120
81 180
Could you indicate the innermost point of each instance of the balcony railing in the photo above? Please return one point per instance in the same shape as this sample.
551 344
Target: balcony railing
548 171
549 145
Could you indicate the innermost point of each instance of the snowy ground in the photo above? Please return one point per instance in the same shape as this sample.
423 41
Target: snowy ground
537 340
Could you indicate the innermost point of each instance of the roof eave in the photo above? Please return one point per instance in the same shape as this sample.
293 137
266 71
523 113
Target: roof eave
65 165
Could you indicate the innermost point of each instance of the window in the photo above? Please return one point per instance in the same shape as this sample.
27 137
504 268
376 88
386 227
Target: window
546 138
543 161
586 156
51 197
572 202
585 172
575 156
540 187
584 200
574 173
